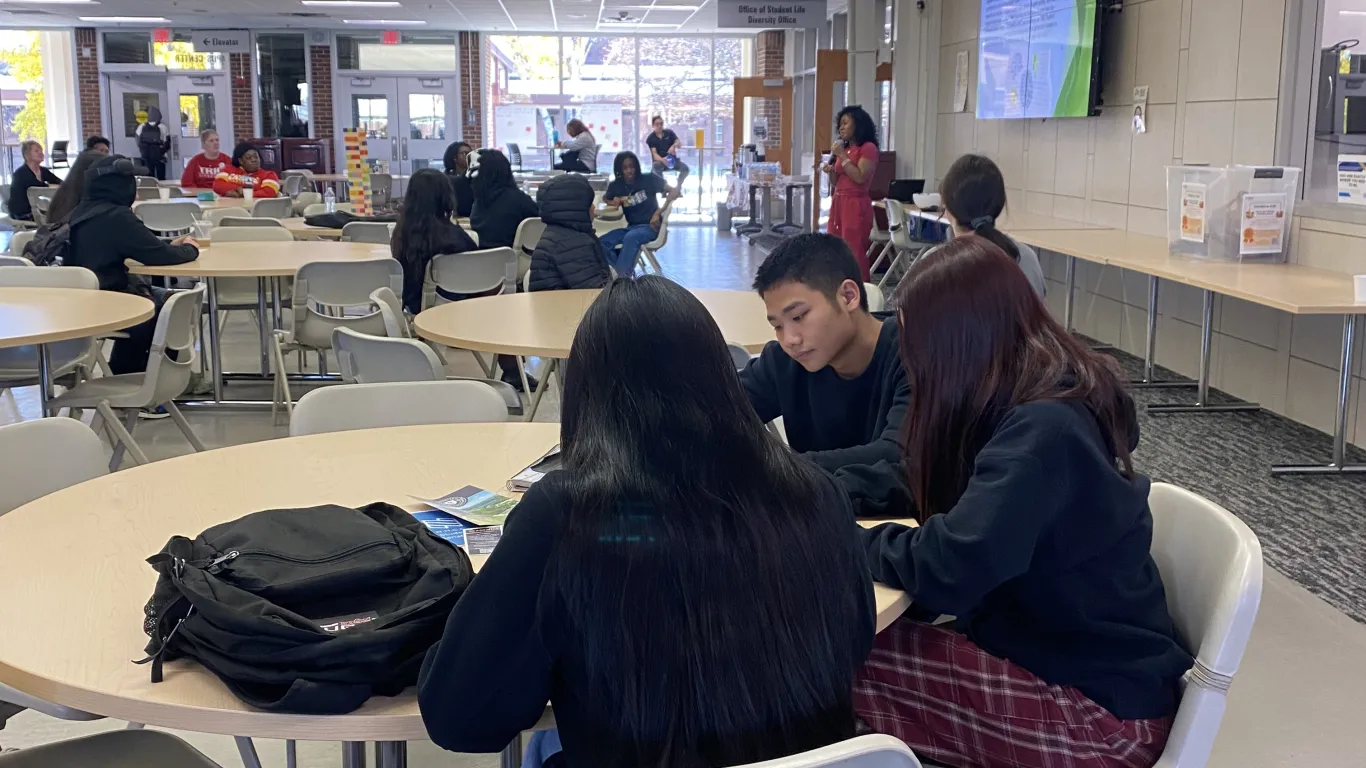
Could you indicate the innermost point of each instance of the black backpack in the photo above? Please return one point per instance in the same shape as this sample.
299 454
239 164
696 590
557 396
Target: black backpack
50 245
309 611
151 146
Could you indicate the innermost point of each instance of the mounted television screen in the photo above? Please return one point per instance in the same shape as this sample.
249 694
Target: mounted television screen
1037 58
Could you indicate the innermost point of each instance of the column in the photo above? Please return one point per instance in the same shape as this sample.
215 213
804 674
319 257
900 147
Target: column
87 79
864 32
59 72
915 66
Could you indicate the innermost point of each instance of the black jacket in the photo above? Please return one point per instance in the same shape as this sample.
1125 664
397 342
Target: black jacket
20 183
464 194
1045 562
496 218
569 254
105 232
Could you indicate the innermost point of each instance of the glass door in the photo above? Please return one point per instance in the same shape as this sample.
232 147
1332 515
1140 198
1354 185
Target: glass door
195 102
373 108
130 94
429 122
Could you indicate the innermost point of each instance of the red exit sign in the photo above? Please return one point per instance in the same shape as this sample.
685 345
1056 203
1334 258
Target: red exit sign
161 35
389 37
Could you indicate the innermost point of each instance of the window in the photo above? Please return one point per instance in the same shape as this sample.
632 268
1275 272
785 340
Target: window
128 47
372 115
197 114
133 103
426 116
414 52
282 63
1333 93
131 47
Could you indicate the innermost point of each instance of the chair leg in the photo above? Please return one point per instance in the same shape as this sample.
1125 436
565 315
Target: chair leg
124 434
881 254
179 419
485 367
281 382
247 750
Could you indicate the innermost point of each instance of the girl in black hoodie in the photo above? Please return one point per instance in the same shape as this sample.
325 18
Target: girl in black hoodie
104 233
1034 533
499 205
569 254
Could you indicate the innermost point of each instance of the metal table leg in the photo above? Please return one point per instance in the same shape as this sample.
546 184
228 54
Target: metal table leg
1071 289
540 388
1150 347
1202 404
391 754
215 340
511 756
44 380
353 754
263 325
1339 465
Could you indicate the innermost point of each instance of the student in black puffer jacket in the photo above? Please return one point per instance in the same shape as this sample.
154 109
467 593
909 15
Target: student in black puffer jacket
569 254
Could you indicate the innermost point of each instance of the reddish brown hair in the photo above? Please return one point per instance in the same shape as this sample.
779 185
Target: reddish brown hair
575 127
976 341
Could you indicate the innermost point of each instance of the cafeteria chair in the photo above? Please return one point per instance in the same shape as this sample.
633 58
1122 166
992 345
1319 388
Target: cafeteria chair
874 750
19 365
738 355
514 157
19 240
147 182
57 155
876 299
291 185
365 359
648 250
381 189
905 248
327 296
396 325
305 199
399 404
14 261
471 273
272 208
314 209
166 218
113 749
249 221
39 198
164 380
147 193
366 232
1211 566
524 243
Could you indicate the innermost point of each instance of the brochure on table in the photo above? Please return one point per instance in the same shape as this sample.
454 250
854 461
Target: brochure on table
469 517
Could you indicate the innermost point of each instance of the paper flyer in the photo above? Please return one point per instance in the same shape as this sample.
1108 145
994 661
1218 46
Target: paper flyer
1193 212
474 505
1263 223
1352 179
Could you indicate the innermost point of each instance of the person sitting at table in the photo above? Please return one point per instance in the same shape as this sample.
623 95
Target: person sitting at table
853 161
686 592
664 145
973 193
500 205
99 144
833 373
456 162
202 170
1034 532
105 233
244 171
31 174
580 152
635 192
568 254
72 191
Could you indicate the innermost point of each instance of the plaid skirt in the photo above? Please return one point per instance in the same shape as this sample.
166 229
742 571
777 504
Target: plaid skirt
956 704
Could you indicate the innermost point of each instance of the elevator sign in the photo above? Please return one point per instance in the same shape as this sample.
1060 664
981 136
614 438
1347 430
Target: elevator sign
221 40
756 14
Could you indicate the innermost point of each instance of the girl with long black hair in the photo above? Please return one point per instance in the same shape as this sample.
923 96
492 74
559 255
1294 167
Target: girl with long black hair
1034 532
973 192
687 592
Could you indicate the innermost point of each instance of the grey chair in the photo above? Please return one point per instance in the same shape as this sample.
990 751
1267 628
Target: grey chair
273 208
168 219
381 189
366 232
39 198
114 749
147 181
249 221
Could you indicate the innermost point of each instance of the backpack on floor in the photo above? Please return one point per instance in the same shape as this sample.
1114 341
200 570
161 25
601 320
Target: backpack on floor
50 245
308 611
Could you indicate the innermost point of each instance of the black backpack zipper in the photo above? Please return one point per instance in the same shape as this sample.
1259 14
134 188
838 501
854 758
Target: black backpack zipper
217 564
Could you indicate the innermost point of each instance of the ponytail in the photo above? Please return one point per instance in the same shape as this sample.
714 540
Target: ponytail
973 191
985 226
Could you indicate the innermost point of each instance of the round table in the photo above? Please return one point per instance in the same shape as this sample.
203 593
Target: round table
73 578
542 324
41 316
262 261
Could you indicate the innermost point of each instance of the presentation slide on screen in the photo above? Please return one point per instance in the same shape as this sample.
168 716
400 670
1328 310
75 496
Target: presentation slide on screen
1034 58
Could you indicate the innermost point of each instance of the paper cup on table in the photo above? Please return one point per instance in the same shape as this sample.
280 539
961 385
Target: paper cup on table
164 193
248 193
1360 283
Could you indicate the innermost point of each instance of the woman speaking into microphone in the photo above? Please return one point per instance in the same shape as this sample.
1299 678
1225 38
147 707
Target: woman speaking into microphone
853 158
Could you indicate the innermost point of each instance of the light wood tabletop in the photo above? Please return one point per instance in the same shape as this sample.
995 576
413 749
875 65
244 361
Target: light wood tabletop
302 231
1287 287
1011 221
69 637
543 323
45 315
267 259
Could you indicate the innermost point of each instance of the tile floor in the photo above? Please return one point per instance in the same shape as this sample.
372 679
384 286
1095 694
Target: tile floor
1295 702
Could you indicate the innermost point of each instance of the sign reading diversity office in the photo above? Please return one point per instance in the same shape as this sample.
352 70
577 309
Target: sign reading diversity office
753 14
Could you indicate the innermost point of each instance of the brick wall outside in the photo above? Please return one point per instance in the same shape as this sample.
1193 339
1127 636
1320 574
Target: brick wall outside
243 96
768 62
88 83
471 88
320 59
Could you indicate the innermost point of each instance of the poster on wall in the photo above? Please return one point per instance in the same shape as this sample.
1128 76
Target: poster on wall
604 121
1352 179
515 123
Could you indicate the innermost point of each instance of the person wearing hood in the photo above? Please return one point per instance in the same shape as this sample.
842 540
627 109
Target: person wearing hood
499 205
569 254
153 143
104 233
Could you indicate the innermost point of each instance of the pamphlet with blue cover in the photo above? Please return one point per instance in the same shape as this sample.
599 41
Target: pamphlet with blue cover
480 512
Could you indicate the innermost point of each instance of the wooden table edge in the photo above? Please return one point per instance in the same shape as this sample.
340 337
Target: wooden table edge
82 333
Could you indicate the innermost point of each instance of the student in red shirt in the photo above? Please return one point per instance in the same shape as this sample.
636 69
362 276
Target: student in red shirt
245 171
203 168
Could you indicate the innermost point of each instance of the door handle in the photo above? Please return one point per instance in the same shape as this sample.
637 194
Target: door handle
394 152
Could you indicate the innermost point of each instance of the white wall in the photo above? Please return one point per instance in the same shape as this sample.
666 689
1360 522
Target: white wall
1213 70
59 72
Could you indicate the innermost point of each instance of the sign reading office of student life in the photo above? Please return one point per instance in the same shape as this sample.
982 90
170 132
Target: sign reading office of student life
755 14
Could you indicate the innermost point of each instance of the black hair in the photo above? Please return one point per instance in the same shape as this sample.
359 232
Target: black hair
689 526
973 192
72 190
660 118
492 173
241 149
448 159
428 205
619 165
865 130
814 259
94 141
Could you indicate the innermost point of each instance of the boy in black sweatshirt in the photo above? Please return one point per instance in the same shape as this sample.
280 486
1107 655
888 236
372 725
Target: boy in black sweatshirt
834 373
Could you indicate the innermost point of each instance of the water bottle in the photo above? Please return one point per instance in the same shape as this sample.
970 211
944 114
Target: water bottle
555 137
330 200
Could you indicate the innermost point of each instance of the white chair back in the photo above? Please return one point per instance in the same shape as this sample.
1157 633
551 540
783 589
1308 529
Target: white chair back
291 185
366 232
250 234
14 261
471 272
871 751
314 209
39 198
147 182
273 208
19 240
323 288
167 379
391 310
381 189
524 243
49 277
369 406
215 215
1211 566
876 299
365 359
247 221
898 221
168 217
46 455
304 199
662 237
